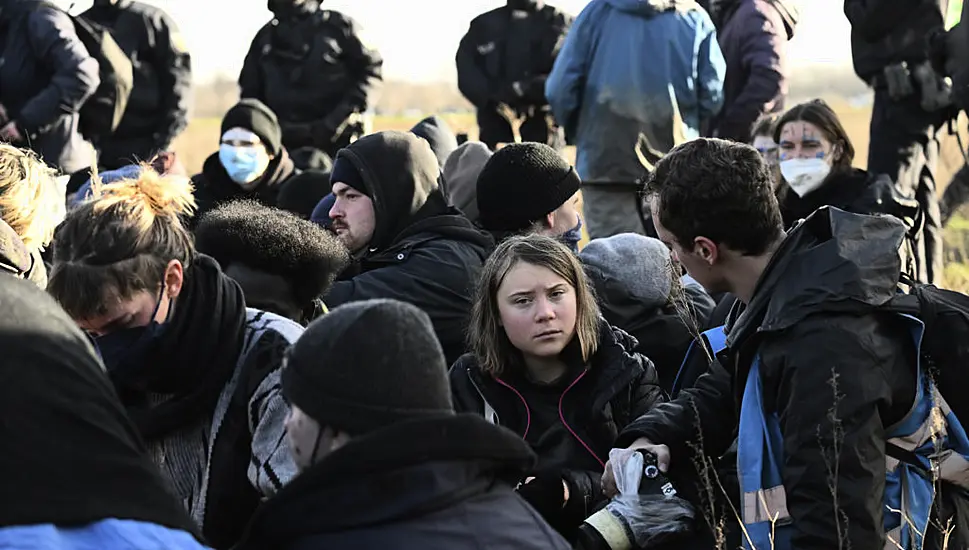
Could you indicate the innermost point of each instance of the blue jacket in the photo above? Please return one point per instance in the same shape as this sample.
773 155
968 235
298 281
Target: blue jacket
109 534
635 75
934 444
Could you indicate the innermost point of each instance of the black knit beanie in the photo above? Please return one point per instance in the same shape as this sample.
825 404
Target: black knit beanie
521 184
366 365
345 172
253 115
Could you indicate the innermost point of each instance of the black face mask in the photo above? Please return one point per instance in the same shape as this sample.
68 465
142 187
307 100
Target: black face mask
126 348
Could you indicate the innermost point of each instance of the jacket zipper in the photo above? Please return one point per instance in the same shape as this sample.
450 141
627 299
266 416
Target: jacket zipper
528 412
566 424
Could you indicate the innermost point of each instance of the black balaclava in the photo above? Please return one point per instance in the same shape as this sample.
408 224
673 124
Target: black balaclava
291 9
526 5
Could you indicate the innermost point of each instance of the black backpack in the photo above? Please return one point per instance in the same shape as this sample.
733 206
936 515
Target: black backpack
101 113
945 342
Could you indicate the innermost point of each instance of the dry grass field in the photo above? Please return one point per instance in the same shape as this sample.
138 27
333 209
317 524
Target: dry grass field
202 136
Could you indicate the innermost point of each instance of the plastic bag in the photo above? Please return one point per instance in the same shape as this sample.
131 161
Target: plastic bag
651 518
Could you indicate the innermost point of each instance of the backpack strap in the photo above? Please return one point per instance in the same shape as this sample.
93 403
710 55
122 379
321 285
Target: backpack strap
715 339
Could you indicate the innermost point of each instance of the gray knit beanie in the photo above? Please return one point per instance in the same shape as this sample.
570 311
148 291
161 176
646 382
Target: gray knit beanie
461 171
366 365
639 266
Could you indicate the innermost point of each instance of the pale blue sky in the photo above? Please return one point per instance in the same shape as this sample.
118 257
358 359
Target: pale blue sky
418 38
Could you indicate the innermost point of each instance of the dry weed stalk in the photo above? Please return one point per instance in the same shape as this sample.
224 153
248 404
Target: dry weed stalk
832 460
707 472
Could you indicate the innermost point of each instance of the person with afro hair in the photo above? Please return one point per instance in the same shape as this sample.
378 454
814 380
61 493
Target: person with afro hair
282 262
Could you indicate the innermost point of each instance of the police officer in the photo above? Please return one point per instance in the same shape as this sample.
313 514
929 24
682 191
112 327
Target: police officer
892 47
157 109
503 62
312 69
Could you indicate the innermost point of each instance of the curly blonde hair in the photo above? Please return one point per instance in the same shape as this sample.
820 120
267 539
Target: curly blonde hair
31 201
119 241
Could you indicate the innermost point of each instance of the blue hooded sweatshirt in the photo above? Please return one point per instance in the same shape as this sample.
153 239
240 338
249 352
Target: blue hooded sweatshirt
634 79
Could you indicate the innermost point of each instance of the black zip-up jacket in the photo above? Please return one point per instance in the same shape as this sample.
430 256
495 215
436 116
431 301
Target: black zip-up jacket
157 110
437 483
597 401
813 318
498 50
46 75
884 32
312 71
422 251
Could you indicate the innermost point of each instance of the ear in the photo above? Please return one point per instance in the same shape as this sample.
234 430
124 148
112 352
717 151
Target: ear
550 220
706 250
836 151
174 279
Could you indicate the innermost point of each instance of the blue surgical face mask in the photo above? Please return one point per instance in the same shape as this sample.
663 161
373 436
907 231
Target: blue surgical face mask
572 237
244 164
125 348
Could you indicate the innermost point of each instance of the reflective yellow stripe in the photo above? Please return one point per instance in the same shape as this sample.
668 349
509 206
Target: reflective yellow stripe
611 530
953 14
766 505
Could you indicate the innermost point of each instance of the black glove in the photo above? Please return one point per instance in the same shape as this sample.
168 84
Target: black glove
510 94
546 494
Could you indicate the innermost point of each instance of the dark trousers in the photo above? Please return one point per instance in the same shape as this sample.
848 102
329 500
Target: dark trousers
536 125
116 152
904 146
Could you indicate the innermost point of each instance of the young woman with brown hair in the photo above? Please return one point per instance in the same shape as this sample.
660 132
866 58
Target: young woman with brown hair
547 366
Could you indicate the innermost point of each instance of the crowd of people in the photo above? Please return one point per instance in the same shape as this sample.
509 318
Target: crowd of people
332 337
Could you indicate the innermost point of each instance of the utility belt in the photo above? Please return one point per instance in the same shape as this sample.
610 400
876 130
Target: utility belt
903 81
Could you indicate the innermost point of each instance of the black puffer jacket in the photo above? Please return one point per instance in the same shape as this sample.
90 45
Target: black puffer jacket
422 251
812 318
213 186
595 402
440 483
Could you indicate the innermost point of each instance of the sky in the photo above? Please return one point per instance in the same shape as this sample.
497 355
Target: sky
418 38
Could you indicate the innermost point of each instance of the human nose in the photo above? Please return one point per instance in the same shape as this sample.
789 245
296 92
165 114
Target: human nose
544 310
336 211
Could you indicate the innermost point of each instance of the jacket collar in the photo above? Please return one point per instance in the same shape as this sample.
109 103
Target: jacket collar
392 474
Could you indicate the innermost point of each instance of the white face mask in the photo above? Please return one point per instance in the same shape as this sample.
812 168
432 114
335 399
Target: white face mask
804 175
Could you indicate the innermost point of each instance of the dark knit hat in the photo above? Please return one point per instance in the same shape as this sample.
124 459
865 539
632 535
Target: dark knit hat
521 184
253 115
345 172
366 365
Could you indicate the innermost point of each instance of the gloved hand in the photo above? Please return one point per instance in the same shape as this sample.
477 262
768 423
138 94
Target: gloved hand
546 492
510 94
